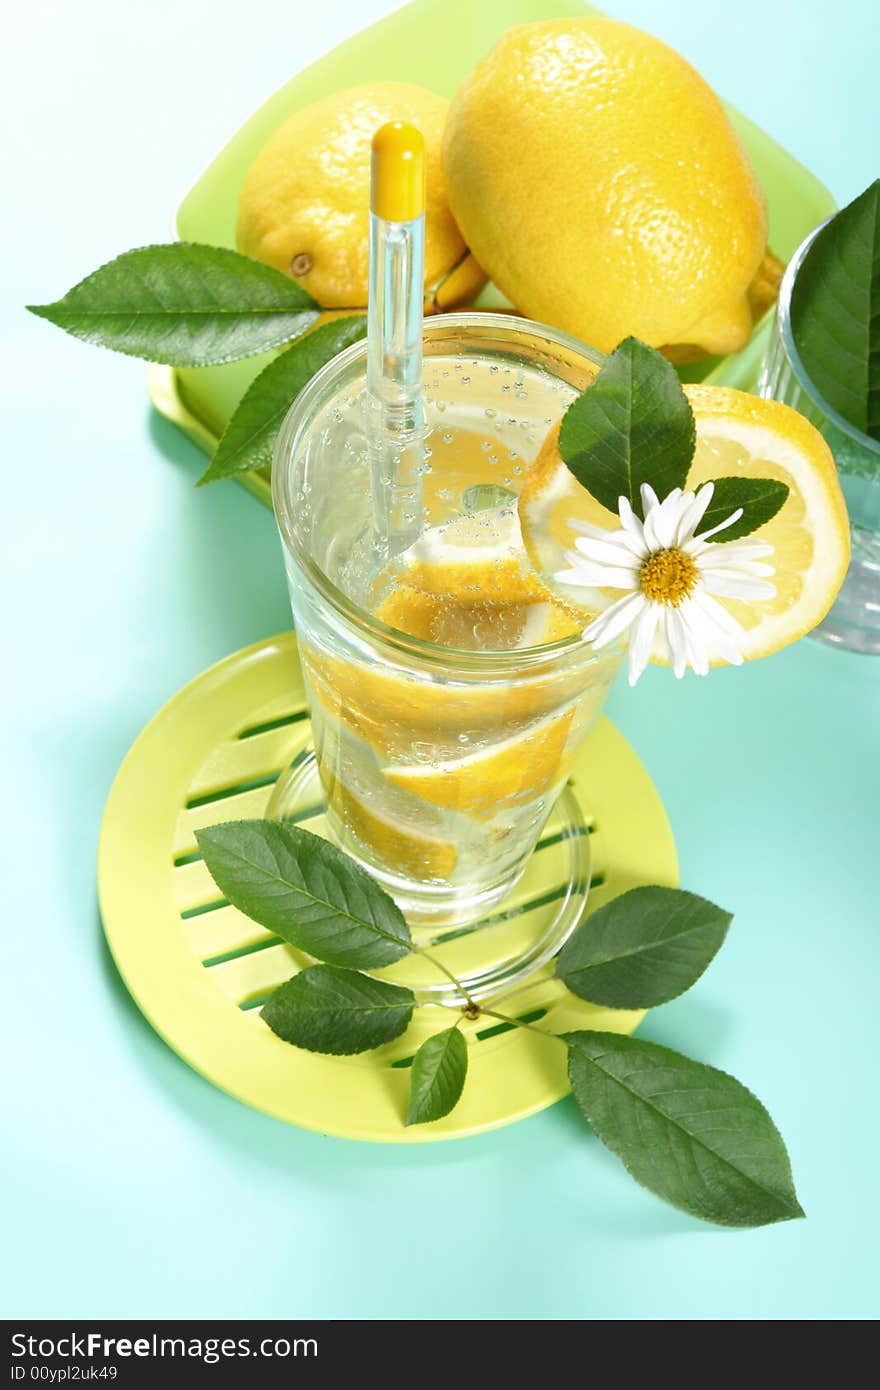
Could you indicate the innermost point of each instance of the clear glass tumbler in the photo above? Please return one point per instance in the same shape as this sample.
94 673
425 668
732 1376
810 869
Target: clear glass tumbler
439 765
854 621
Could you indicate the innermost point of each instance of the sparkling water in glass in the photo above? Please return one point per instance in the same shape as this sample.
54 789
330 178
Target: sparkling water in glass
440 760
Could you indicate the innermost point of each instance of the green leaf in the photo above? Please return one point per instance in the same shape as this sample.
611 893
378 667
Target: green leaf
835 312
643 948
328 1009
438 1074
251 433
184 304
691 1134
306 891
633 425
760 499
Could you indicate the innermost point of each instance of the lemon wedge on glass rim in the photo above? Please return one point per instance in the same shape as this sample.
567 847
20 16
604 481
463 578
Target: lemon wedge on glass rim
738 435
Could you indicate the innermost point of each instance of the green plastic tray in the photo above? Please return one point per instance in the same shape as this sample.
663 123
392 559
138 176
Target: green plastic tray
199 970
434 43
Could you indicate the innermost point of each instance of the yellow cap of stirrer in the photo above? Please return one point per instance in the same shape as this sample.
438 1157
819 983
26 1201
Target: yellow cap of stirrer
397 192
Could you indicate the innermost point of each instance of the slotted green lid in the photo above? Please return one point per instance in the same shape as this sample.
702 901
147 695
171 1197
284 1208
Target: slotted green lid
199 969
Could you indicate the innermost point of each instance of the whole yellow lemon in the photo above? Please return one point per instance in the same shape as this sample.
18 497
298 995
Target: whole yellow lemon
597 179
305 202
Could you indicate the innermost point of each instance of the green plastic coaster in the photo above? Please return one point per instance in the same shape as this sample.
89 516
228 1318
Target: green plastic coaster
199 970
434 43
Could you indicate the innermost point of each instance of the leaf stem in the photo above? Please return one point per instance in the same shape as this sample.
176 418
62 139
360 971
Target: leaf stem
426 955
520 1023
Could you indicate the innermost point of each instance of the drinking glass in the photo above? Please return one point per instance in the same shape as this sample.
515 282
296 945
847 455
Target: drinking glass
854 621
439 765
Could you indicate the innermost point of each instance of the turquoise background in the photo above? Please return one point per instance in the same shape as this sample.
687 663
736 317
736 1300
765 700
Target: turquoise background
131 1186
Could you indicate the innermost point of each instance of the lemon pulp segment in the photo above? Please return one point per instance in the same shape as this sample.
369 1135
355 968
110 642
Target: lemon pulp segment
494 779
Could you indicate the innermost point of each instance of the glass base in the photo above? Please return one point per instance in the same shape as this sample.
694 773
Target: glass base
854 621
492 942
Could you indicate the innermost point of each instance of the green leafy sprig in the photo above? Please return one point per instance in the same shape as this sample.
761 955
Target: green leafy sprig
184 304
189 305
634 425
249 438
690 1133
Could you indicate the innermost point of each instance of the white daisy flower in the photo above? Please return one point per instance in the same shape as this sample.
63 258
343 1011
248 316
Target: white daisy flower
670 576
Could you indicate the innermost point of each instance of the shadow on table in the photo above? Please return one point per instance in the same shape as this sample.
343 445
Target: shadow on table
696 1026
328 1161
265 1140
174 446
227 560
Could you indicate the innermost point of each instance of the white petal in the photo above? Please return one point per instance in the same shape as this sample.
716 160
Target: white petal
722 525
635 544
661 647
586 528
733 551
692 513
688 644
628 518
608 551
614 620
627 540
714 564
677 653
733 657
695 644
723 646
718 641
652 538
649 497
632 533
666 517
642 640
738 585
587 574
717 614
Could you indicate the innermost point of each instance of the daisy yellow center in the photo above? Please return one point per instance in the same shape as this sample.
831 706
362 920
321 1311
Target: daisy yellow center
668 576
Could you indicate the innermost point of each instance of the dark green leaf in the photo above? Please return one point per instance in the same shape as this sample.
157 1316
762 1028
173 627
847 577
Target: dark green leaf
438 1074
835 312
328 1009
307 891
184 304
760 499
251 433
643 948
633 425
690 1133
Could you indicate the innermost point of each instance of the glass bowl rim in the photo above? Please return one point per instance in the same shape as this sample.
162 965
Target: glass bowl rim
805 381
